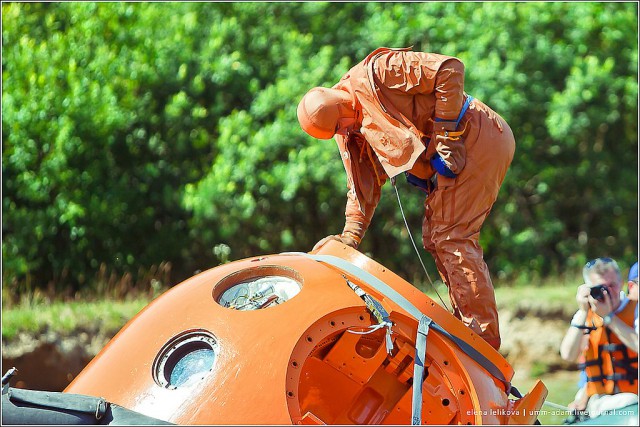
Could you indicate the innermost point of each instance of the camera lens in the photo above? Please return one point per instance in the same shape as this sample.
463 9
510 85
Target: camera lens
597 292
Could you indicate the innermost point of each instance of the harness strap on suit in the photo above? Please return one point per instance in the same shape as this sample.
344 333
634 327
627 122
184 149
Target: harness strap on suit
436 162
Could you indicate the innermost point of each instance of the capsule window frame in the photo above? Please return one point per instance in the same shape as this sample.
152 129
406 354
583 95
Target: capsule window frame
176 349
254 273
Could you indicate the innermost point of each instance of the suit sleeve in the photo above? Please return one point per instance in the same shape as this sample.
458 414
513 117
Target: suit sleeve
365 177
357 221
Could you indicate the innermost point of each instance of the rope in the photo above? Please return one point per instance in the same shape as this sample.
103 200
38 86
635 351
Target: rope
406 224
555 405
388 342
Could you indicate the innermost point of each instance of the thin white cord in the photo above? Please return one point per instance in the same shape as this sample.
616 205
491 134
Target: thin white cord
406 224
555 405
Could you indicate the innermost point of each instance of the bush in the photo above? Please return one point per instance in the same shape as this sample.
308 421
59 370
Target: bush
136 133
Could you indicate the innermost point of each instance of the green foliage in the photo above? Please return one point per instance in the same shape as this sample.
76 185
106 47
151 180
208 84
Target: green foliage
538 368
136 133
106 316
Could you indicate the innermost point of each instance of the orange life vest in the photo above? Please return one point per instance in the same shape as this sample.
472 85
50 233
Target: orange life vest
610 366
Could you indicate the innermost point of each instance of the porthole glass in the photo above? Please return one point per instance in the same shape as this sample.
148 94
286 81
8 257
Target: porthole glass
186 359
259 292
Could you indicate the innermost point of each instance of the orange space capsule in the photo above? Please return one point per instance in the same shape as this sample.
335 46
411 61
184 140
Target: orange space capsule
322 338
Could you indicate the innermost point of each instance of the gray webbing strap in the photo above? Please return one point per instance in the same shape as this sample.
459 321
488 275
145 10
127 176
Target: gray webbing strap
418 370
396 297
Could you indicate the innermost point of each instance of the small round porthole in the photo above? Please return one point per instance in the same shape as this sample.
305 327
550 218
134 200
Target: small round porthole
258 288
186 359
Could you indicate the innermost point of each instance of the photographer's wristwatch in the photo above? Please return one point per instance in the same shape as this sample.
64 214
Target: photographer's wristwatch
606 320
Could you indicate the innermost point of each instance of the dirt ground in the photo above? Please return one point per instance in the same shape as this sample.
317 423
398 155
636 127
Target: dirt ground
50 361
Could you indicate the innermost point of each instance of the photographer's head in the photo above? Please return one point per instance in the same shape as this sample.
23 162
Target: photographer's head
603 274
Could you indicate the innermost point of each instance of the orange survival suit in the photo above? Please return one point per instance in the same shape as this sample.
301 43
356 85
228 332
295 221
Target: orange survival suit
406 105
610 366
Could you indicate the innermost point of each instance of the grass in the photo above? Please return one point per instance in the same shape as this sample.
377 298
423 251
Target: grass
36 314
550 295
562 387
103 306
66 317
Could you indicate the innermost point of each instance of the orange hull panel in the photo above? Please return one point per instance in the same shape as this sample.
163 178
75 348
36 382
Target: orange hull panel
295 362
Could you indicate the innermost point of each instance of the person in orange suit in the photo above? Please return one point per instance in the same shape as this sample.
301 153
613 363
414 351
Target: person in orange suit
400 111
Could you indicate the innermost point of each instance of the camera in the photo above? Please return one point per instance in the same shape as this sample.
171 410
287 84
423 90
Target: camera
597 292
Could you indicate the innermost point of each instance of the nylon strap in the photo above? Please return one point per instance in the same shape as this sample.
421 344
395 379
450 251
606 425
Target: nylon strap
613 377
397 298
586 364
464 109
613 347
418 370
587 329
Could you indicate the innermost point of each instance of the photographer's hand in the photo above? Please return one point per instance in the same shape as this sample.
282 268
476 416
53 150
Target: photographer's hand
582 296
601 308
574 340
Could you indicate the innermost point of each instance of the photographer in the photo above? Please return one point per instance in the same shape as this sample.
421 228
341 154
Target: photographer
602 333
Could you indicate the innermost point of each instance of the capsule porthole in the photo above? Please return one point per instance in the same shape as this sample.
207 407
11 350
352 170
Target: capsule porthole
186 359
258 288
